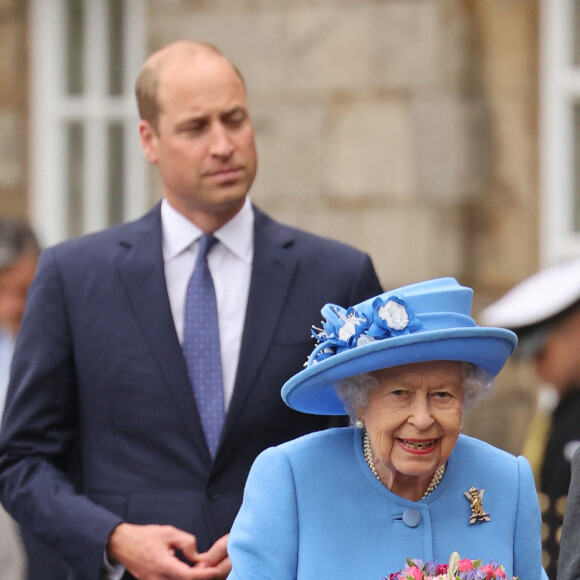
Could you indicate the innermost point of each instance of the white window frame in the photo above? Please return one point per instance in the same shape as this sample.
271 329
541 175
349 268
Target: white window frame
559 91
52 109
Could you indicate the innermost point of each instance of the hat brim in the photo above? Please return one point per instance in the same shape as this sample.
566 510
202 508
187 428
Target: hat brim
312 390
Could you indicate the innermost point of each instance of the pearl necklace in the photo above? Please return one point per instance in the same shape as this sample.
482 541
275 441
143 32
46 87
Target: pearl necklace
437 476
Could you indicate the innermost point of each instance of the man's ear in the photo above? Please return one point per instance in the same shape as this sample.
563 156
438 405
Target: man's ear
148 137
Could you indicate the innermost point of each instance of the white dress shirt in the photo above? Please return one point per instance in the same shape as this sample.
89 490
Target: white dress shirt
230 264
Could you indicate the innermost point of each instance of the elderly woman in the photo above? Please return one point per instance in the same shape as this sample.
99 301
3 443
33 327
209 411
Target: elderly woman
355 503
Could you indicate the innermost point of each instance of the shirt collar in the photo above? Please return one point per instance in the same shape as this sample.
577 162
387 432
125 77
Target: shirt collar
179 233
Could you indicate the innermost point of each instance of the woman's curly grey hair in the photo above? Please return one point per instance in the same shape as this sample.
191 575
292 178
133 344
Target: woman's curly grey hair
353 391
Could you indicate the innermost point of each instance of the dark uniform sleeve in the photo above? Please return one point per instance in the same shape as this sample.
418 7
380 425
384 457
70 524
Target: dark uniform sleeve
569 561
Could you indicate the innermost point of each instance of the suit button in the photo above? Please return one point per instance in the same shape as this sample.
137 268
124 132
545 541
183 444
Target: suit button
411 518
213 491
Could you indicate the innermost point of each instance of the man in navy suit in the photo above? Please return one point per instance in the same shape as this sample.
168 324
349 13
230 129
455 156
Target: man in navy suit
102 452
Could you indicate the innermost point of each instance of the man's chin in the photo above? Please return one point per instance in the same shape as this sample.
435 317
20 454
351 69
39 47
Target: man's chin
228 205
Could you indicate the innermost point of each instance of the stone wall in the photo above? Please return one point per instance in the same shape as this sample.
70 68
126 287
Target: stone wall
405 127
503 218
13 108
362 130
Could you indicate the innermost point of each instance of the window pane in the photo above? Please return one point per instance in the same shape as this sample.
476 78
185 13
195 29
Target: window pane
74 47
116 163
576 32
116 52
576 191
75 161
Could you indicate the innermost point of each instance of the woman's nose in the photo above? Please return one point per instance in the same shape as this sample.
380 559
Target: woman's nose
420 416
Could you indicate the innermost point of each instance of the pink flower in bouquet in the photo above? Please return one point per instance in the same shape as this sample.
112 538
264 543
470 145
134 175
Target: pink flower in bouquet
442 569
456 569
414 573
491 572
465 565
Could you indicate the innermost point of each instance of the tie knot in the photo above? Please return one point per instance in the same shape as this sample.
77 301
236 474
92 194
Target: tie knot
206 243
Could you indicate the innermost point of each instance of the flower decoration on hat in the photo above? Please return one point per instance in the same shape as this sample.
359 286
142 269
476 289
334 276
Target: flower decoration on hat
352 328
391 317
341 330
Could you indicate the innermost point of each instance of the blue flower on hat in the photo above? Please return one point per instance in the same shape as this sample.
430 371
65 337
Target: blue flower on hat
347 329
391 317
342 327
341 331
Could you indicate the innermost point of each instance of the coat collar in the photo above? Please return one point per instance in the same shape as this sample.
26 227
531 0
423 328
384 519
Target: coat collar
140 268
274 266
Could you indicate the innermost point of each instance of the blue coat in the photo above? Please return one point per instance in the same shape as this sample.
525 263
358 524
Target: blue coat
313 510
101 424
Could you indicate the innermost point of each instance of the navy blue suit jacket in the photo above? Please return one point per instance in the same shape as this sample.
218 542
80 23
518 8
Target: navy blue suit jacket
101 424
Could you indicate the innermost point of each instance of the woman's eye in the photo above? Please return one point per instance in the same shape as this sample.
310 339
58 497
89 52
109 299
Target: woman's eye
442 395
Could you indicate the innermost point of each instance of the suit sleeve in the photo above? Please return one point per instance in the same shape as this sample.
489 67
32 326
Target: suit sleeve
263 542
40 432
527 541
569 558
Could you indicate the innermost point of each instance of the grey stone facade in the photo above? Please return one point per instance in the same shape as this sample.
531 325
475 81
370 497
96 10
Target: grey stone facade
405 127
13 110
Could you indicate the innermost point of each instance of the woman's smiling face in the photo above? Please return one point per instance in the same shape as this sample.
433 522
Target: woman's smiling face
413 420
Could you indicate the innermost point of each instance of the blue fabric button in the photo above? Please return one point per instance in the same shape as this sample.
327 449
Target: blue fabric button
411 518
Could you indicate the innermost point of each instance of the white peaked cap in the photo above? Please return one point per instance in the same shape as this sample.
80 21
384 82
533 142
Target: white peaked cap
537 298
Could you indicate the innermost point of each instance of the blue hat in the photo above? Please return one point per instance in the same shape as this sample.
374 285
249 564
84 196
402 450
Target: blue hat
427 321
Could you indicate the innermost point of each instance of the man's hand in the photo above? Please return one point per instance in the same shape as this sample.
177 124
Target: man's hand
216 559
148 552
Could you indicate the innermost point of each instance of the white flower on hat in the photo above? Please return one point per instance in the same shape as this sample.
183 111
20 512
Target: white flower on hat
394 314
341 330
349 328
364 339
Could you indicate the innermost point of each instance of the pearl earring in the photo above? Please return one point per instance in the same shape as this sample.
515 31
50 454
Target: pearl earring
359 423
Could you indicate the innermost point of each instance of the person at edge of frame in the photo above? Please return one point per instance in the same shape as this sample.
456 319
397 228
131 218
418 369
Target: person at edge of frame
544 311
21 555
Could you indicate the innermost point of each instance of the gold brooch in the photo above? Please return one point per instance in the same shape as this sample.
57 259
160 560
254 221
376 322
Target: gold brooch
475 498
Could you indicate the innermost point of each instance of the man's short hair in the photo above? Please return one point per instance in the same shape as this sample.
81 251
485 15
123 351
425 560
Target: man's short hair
16 239
147 84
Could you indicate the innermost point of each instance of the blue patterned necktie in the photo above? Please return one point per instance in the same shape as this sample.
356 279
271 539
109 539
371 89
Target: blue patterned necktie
201 346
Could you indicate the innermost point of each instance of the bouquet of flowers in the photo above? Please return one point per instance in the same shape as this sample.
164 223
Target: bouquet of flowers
456 569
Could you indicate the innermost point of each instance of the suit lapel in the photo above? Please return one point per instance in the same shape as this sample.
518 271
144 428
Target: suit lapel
141 270
273 269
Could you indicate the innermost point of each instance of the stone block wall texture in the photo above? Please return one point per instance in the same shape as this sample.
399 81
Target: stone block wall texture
13 111
379 107
407 128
